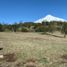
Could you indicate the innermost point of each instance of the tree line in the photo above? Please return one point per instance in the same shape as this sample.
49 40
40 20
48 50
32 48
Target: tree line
45 26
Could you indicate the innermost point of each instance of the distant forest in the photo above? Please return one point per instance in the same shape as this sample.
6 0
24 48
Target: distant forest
35 27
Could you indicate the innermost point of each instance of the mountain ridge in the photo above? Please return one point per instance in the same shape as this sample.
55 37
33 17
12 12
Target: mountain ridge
50 18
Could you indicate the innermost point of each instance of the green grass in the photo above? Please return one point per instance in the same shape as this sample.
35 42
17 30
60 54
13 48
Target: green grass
45 48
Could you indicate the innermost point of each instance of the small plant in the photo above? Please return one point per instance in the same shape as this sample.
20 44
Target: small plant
43 60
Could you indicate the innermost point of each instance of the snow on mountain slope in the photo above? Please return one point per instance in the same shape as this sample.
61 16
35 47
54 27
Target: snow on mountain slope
50 18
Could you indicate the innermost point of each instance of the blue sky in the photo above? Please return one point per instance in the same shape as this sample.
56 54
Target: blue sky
31 10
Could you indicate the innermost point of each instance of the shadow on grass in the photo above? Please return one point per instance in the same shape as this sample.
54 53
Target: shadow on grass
52 35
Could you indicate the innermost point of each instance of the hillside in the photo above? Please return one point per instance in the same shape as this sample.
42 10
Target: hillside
45 50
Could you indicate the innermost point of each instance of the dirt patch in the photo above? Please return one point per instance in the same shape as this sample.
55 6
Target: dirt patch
10 57
1 48
30 63
31 60
64 56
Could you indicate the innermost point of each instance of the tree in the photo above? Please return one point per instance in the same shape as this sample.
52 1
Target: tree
25 29
64 29
14 27
51 27
41 29
1 28
45 23
28 24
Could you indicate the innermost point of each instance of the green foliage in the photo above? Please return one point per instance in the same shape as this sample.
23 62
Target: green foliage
24 29
28 24
42 29
64 29
45 23
43 60
52 27
37 27
1 28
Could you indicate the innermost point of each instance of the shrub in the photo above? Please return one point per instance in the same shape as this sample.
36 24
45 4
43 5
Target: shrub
24 29
42 29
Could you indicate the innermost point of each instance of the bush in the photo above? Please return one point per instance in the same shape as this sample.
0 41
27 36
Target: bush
64 29
42 29
24 29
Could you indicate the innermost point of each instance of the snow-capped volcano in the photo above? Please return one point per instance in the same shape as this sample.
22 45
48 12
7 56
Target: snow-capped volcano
50 18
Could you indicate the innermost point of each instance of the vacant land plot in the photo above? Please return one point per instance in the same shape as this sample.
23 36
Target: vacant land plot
32 50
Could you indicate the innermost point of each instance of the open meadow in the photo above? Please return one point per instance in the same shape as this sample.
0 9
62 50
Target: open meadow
32 50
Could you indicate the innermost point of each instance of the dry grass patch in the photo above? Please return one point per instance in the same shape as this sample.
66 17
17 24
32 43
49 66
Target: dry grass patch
30 64
47 49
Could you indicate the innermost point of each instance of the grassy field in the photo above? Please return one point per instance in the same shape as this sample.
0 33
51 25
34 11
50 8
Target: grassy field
33 48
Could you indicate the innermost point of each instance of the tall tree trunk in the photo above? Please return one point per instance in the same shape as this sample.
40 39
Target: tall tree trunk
64 35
